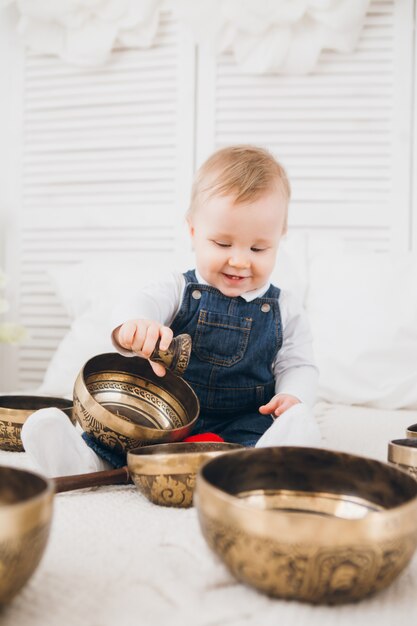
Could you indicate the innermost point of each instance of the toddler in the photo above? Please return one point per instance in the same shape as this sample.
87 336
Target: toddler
251 364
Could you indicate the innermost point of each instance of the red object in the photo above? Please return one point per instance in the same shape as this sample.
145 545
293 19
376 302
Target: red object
204 437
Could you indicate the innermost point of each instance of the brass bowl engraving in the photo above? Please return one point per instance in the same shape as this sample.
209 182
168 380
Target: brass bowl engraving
176 490
308 524
10 436
145 406
305 572
104 435
166 473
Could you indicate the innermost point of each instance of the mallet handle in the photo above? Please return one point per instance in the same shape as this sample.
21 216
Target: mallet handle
119 476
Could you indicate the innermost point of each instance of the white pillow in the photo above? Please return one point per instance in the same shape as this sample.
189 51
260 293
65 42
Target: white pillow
291 267
78 286
363 313
89 290
89 335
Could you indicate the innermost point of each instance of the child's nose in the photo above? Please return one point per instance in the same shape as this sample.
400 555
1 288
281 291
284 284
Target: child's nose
239 262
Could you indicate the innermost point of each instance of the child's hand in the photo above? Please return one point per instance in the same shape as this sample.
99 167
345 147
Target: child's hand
141 336
278 404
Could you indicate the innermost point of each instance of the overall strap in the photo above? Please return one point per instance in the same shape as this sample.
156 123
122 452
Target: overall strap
190 277
272 292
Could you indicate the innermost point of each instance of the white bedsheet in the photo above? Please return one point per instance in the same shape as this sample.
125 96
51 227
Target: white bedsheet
114 558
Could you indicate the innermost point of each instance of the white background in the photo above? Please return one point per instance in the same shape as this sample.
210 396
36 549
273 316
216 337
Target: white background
96 163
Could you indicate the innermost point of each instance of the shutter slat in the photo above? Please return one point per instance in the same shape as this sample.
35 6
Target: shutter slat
335 130
99 175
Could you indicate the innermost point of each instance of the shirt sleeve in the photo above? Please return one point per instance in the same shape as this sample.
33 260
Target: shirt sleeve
159 301
294 368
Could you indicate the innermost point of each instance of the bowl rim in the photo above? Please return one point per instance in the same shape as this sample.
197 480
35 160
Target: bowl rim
119 424
150 450
144 461
375 522
21 413
403 451
47 491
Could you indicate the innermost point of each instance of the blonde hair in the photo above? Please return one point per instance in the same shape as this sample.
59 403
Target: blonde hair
244 171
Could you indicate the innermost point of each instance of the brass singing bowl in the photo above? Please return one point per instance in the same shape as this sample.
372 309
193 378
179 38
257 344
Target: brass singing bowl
166 473
25 517
14 411
412 431
308 524
403 453
123 404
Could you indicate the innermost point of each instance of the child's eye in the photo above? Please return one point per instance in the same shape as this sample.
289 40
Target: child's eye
222 245
257 249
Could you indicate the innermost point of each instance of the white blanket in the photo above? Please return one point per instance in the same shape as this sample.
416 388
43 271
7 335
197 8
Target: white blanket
114 558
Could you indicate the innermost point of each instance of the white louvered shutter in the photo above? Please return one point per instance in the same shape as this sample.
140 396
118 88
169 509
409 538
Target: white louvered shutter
342 132
107 159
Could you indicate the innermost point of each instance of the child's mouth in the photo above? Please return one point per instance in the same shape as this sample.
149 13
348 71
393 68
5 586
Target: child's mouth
234 277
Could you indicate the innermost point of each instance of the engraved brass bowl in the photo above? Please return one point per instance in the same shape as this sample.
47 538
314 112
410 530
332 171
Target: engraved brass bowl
166 473
308 524
25 517
403 452
412 431
14 410
123 404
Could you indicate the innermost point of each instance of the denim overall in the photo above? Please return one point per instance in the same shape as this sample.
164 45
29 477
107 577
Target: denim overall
234 346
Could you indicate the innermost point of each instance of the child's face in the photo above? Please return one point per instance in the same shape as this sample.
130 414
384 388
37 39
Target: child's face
236 244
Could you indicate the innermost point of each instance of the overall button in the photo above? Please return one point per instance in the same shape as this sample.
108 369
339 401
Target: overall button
196 294
265 308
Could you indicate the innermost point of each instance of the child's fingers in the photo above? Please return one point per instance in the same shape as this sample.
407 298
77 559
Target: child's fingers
139 338
270 407
152 336
126 335
166 337
281 409
158 368
284 405
264 410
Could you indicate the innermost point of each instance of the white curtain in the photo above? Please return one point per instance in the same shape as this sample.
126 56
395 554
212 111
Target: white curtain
285 36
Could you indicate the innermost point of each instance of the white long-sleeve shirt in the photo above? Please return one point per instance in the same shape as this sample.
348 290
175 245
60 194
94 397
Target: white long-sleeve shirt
294 370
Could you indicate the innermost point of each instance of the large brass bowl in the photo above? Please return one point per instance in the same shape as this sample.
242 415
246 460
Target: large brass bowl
166 473
25 517
14 411
403 452
122 404
308 524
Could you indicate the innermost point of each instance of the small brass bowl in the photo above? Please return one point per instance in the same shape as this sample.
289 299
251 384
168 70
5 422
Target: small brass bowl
166 473
123 404
403 452
14 411
25 517
308 524
412 431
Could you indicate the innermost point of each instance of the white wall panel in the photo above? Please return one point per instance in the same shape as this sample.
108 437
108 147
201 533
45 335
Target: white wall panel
105 157
341 132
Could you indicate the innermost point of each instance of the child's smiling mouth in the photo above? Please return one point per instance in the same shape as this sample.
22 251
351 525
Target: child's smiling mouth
234 277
